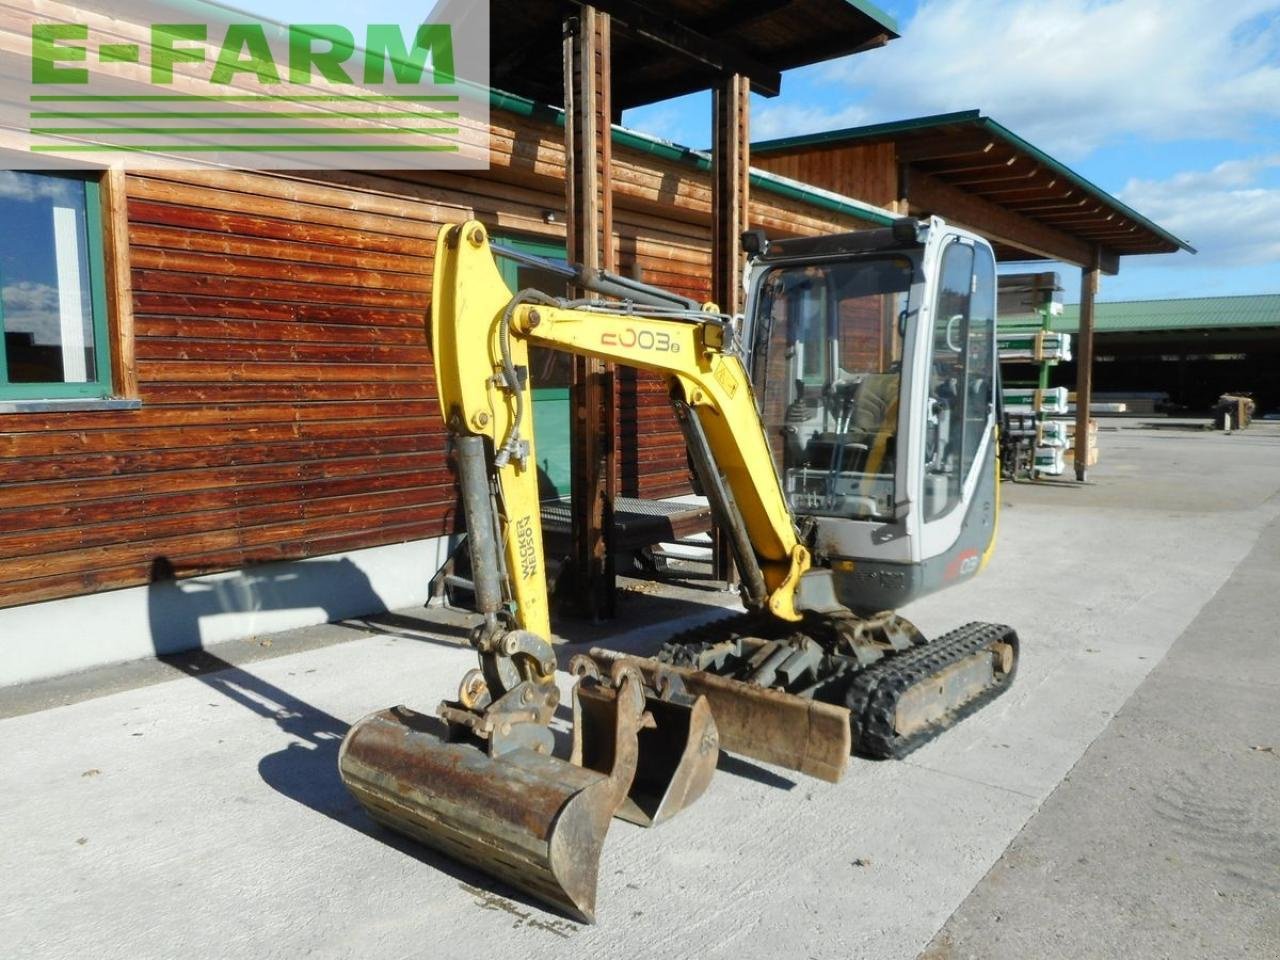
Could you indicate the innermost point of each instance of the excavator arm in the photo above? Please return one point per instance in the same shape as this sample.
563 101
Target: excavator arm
480 335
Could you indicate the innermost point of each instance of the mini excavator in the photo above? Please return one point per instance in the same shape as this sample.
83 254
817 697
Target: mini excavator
844 434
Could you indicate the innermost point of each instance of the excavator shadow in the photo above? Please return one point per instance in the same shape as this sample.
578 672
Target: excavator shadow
449 628
740 767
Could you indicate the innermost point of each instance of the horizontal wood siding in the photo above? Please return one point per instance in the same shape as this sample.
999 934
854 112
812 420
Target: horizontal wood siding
868 172
288 404
288 401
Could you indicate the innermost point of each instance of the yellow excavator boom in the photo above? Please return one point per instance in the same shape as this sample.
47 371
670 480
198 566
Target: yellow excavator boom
480 336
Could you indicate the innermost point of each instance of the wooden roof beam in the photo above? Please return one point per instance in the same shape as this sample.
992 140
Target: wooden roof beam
1113 236
1049 190
719 56
926 194
838 47
1007 254
968 183
1097 214
1043 205
929 149
992 165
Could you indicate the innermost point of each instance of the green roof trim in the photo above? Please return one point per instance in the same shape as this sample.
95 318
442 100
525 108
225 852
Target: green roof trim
1191 313
701 161
833 138
886 20
851 135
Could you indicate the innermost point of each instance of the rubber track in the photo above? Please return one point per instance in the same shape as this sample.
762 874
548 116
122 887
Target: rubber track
873 693
873 696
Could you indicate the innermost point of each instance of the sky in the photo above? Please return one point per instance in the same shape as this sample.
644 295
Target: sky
1171 105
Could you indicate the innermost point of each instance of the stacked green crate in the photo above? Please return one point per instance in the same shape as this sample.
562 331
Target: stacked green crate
1028 352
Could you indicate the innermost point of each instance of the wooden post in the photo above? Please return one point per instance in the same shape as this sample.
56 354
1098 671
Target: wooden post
115 217
730 193
589 203
902 205
1084 363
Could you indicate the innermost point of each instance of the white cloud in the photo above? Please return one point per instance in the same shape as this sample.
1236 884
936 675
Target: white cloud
31 307
31 187
784 120
1071 75
1230 213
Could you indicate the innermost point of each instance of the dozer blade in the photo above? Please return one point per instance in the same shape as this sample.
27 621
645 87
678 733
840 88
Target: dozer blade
678 753
531 820
759 722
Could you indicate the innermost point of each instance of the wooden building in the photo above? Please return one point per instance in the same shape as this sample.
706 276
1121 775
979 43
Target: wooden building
264 393
252 439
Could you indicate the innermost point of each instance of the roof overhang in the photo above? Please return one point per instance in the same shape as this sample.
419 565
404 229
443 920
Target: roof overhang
665 48
968 168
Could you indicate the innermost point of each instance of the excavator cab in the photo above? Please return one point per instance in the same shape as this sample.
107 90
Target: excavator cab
873 355
872 358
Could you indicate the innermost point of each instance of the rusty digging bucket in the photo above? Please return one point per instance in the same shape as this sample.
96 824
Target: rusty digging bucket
529 819
809 736
678 751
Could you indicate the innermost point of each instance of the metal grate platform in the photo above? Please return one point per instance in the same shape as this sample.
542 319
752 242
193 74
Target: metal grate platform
637 523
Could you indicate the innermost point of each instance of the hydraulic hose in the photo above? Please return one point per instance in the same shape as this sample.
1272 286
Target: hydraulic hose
511 443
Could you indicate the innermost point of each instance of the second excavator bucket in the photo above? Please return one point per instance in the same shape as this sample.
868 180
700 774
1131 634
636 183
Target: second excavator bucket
678 752
793 732
530 819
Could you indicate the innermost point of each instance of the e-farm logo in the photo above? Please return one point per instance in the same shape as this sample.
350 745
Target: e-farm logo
246 92
245 50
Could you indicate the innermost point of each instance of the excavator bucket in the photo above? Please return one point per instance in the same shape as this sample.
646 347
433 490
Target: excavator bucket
678 752
770 725
527 818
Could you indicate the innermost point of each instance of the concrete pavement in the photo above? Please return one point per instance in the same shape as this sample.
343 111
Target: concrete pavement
1164 841
202 816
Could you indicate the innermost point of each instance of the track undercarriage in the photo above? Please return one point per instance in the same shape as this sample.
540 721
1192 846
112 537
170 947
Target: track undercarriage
805 695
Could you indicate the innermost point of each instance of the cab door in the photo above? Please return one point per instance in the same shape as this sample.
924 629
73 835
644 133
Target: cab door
957 503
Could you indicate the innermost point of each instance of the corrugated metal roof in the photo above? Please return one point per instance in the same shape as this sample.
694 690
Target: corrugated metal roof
1194 313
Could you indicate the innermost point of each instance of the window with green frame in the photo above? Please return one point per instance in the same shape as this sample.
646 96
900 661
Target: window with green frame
551 371
53 303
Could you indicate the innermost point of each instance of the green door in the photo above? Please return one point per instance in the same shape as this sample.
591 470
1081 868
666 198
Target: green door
551 372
